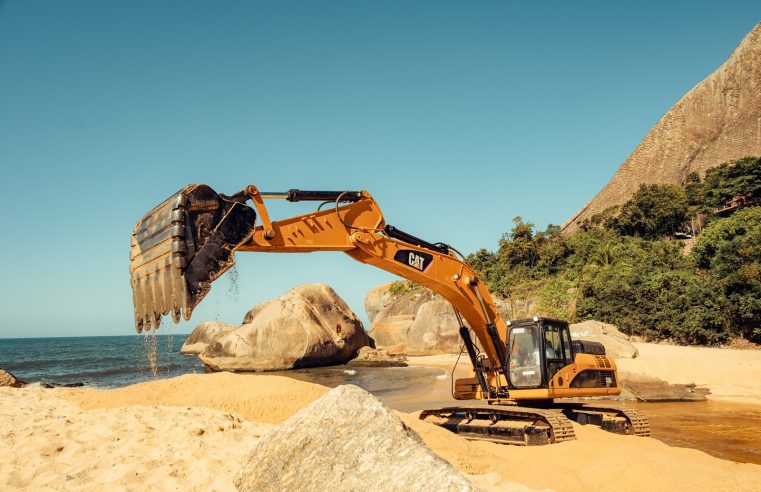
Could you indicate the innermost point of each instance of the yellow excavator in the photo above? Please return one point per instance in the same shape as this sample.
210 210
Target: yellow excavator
520 368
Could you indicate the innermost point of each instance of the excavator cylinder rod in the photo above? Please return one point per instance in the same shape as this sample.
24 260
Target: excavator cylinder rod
294 195
405 237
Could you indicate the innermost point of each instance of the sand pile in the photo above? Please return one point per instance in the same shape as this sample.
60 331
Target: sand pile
49 443
257 397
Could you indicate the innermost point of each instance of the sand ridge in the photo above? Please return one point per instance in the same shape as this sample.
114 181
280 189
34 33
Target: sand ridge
257 397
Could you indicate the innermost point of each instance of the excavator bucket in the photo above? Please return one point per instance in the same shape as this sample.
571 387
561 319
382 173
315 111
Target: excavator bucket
180 247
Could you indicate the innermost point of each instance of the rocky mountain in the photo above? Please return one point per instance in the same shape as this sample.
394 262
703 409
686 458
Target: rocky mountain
718 120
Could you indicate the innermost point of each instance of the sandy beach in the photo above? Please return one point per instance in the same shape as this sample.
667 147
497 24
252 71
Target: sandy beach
732 375
193 433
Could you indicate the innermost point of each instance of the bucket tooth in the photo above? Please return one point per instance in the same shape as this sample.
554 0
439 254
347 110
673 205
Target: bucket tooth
180 247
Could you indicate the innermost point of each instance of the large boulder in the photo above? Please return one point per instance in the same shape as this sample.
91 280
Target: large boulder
346 441
8 379
308 326
396 298
204 334
412 319
417 321
435 329
392 331
616 343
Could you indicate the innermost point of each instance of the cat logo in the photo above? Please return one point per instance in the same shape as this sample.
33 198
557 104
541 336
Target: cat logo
416 259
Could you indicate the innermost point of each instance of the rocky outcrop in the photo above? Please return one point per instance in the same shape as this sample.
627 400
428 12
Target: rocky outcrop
346 441
616 343
381 303
9 380
308 326
717 121
420 322
417 322
371 357
204 334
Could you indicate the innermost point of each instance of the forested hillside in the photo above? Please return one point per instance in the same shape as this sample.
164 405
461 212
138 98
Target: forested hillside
677 263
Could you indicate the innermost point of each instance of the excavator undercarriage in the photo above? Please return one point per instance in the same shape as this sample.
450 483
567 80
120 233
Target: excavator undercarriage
180 247
531 426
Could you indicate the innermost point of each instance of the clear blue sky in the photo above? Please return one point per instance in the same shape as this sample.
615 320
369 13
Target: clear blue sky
457 116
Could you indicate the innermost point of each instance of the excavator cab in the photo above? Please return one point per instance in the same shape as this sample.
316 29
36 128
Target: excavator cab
537 349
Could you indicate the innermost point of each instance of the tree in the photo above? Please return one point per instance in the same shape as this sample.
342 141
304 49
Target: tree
683 306
654 211
738 177
730 250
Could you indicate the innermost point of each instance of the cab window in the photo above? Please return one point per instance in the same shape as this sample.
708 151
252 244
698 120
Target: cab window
525 363
554 350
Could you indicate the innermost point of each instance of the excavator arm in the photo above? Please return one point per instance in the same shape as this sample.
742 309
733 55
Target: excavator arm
187 242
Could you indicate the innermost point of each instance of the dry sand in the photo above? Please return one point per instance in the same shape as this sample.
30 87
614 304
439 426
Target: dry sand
259 398
49 443
148 436
730 374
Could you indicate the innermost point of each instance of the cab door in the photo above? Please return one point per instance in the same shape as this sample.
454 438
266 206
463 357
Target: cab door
557 347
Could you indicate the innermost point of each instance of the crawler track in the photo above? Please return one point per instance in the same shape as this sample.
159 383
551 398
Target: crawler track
521 426
612 419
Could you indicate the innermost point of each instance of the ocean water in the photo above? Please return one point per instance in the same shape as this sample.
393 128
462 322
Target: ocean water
104 362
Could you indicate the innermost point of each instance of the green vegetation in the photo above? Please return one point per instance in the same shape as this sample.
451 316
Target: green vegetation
626 267
654 211
400 287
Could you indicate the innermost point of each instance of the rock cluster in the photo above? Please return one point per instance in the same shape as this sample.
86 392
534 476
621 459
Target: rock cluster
367 447
308 326
420 322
